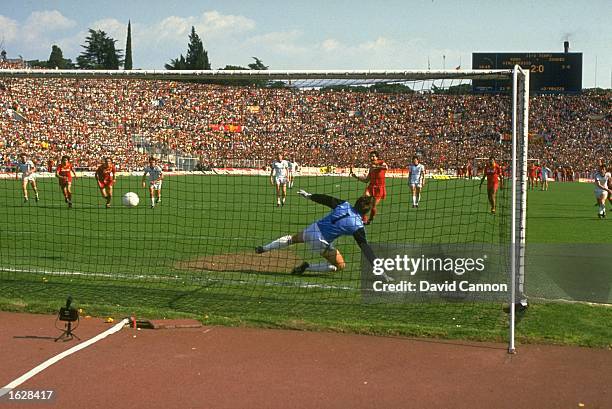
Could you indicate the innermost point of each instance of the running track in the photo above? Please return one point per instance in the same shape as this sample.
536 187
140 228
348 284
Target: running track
218 367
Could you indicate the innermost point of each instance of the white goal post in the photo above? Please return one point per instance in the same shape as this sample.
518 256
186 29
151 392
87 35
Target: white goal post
520 156
518 77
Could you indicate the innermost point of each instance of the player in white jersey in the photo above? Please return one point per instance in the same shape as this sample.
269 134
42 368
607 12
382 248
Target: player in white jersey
545 174
26 168
155 176
279 178
610 187
603 179
416 180
292 171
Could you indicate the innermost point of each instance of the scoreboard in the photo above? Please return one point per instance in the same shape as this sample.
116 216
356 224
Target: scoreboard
549 73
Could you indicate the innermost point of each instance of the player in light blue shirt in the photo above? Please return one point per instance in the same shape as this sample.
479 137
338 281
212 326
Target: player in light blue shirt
344 220
546 174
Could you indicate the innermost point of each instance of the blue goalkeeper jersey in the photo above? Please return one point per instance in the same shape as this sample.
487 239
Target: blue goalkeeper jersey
344 220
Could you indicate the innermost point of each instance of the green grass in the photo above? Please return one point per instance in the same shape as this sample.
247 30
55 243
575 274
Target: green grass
121 261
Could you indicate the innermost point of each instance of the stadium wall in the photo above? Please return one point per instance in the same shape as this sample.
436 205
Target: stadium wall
304 171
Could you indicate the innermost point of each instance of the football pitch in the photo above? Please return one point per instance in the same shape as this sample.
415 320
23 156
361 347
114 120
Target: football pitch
193 255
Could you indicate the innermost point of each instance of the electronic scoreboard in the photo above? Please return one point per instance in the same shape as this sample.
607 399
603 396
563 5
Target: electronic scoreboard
549 73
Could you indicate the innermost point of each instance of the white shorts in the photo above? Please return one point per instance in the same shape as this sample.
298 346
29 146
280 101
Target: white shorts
30 178
314 239
155 185
599 192
281 181
416 184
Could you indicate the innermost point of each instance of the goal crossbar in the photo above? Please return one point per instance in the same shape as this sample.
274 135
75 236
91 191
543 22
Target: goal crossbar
279 75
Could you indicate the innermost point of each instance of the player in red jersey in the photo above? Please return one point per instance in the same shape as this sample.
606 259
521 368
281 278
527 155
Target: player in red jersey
64 172
106 175
493 173
376 183
532 171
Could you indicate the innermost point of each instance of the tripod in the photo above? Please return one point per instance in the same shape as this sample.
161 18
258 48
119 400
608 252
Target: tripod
67 335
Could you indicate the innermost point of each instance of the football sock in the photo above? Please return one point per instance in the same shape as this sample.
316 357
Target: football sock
414 200
321 267
280 243
372 213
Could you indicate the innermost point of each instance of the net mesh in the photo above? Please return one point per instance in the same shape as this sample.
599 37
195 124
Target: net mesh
193 251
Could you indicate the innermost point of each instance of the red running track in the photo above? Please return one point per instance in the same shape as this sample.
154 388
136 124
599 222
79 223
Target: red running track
218 367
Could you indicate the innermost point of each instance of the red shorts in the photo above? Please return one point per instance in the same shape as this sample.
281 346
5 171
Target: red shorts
492 187
64 181
377 192
105 183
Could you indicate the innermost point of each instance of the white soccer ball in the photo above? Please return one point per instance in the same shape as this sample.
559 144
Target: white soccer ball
130 199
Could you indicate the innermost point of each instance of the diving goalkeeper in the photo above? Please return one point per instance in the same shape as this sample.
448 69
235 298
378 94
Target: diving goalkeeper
343 220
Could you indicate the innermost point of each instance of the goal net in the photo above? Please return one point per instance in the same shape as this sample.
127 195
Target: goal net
218 160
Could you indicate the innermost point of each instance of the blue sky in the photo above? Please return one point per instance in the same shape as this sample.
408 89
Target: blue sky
319 34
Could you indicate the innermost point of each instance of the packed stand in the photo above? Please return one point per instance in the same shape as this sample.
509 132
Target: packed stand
130 119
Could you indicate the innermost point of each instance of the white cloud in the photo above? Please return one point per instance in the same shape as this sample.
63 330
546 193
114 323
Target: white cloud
330 45
379 44
214 23
41 23
8 28
112 27
48 20
211 24
279 42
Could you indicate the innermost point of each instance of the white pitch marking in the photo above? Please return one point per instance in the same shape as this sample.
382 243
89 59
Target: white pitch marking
9 387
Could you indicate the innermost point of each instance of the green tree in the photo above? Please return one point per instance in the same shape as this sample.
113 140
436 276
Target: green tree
37 64
257 65
100 52
235 68
196 58
177 64
128 48
56 59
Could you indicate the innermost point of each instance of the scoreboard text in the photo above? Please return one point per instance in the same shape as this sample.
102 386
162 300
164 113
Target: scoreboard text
548 72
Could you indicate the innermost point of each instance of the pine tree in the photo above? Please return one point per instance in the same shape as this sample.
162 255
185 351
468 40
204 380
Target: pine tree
257 65
56 59
196 58
127 65
100 52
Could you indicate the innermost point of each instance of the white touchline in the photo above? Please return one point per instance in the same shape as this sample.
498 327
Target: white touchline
6 389
180 278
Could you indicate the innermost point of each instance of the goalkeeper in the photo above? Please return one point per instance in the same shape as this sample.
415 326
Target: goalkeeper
343 220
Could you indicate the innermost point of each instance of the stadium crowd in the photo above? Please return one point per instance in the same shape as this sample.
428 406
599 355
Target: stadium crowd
129 119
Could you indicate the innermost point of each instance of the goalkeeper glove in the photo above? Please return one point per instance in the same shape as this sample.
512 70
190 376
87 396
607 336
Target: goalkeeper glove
304 193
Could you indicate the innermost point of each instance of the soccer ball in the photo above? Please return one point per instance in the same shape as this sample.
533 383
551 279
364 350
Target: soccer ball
130 199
